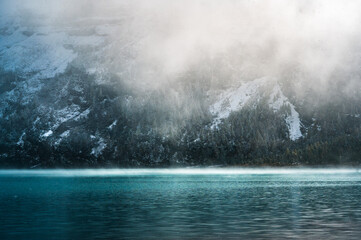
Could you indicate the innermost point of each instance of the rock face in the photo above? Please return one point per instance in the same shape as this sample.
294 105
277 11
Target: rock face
71 97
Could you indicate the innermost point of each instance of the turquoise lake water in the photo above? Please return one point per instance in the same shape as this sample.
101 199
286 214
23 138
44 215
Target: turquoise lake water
181 204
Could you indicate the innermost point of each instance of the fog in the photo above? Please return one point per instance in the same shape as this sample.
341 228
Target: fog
230 172
157 42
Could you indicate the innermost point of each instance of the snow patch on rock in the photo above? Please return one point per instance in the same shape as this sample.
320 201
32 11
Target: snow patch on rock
21 141
67 113
82 115
110 127
276 101
43 55
235 99
42 52
96 151
62 136
47 134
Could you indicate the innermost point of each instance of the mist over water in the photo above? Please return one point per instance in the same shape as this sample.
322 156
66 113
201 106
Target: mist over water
334 172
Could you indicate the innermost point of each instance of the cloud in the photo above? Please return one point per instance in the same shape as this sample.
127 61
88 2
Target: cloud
312 39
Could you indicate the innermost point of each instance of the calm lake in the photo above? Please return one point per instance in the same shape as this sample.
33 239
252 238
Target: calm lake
181 204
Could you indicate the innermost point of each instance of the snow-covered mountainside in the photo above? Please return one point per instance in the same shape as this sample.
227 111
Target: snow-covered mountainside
234 99
276 102
38 54
249 94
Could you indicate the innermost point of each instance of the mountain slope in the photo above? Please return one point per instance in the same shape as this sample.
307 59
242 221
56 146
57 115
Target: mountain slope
250 93
70 96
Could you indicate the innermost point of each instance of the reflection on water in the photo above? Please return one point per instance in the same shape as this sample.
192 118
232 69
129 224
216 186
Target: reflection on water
181 206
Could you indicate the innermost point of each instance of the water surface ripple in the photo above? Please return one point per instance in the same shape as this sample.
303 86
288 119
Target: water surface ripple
181 204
